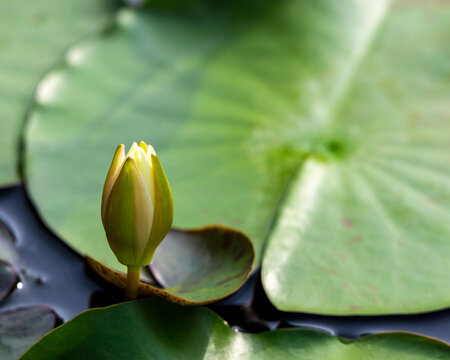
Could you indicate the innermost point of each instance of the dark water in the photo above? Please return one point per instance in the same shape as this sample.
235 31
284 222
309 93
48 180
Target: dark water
50 272
54 275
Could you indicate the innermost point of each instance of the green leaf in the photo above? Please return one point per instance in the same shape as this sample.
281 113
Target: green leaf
33 36
21 328
194 267
154 329
319 126
367 229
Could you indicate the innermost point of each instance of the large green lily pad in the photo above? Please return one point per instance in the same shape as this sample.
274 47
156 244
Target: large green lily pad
154 329
319 126
33 35
21 328
194 267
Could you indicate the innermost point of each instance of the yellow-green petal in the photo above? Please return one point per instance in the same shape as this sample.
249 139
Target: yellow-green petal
150 150
162 212
128 215
133 149
143 146
145 167
116 164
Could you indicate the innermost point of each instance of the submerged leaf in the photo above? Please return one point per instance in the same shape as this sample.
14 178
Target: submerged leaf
8 279
21 328
8 251
9 259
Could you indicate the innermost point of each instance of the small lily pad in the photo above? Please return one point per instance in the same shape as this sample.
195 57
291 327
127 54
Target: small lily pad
154 329
20 328
195 267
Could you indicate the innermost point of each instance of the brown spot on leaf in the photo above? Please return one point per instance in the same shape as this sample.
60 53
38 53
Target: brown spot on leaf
348 223
356 239
331 271
237 276
355 307
238 222
38 19
362 295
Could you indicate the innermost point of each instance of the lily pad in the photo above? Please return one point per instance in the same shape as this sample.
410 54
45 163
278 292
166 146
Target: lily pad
154 329
319 126
21 328
195 267
33 36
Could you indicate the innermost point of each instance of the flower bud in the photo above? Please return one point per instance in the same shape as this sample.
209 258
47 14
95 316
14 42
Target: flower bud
137 205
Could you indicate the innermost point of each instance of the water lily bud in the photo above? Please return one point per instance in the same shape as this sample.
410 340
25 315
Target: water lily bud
137 205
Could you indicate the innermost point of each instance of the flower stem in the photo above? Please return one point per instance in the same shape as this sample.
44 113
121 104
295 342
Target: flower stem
133 276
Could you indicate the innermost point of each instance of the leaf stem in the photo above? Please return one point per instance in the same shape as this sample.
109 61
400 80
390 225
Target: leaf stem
133 277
